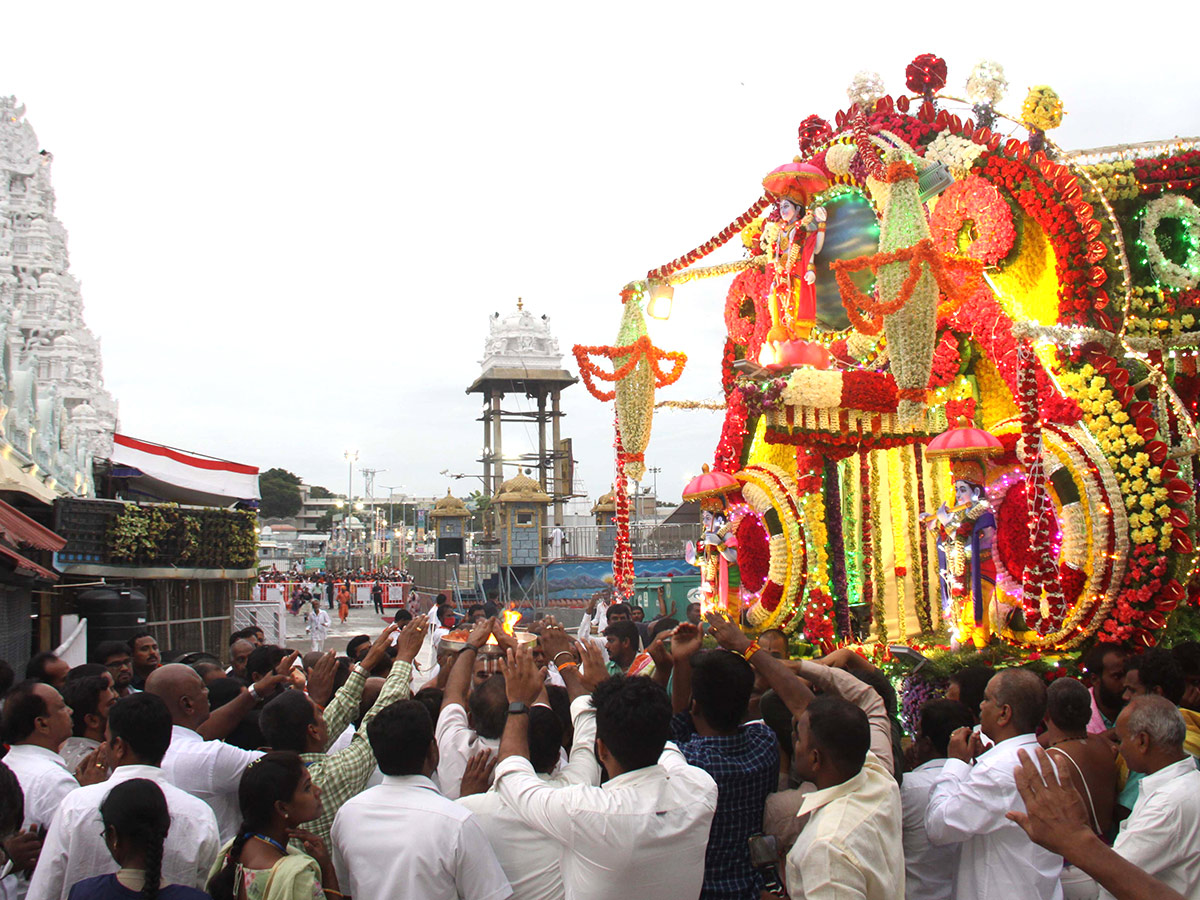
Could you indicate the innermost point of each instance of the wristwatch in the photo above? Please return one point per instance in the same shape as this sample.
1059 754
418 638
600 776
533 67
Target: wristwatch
517 708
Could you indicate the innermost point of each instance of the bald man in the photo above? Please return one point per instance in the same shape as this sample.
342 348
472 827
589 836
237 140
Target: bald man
208 769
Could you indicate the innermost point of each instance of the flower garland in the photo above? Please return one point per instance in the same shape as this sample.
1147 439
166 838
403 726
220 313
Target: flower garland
1041 575
913 531
899 550
1180 171
972 218
718 240
623 571
748 328
928 560
866 543
851 534
629 356
878 610
954 152
984 319
866 313
837 545
816 388
1179 277
728 456
1116 180
1050 194
1149 487
770 492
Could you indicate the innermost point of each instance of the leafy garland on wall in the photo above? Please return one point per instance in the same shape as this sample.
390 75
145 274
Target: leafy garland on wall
169 536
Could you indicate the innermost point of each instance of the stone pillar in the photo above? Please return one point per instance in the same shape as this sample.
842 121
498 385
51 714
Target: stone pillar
497 446
556 416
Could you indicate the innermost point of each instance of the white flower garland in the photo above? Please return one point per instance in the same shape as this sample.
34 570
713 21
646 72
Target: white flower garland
1173 206
818 388
957 153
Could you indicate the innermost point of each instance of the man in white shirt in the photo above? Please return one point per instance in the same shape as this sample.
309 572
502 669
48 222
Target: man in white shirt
317 626
404 839
929 870
139 731
210 770
530 858
36 722
1162 834
459 735
645 831
969 804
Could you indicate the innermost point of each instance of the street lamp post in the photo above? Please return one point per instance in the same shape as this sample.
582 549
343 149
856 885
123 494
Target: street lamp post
391 489
351 459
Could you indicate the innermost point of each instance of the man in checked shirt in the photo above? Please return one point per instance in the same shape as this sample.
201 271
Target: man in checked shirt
293 721
710 694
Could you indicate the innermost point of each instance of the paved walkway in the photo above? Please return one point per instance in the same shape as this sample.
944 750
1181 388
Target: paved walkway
360 621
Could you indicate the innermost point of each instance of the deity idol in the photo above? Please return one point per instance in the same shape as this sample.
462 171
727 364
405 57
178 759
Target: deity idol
967 572
791 244
718 548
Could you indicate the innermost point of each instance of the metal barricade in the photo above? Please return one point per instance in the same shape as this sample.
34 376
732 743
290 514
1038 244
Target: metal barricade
269 615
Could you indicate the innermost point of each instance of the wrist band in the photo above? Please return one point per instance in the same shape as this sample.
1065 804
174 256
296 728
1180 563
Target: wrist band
470 646
360 669
567 665
254 693
562 652
750 651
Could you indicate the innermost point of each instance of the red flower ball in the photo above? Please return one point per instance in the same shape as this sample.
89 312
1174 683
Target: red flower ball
926 73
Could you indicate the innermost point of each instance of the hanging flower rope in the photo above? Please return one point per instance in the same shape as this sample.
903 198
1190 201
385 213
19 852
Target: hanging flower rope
633 353
718 240
1041 575
867 313
623 572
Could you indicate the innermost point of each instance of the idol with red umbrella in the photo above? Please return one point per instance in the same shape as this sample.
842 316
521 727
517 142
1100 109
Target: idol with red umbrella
965 532
718 543
791 243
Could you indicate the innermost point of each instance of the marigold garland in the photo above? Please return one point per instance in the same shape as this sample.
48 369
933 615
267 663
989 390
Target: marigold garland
878 609
634 353
913 532
867 541
899 549
867 313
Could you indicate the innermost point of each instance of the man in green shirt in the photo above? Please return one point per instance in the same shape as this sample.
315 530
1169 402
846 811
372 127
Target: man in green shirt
293 721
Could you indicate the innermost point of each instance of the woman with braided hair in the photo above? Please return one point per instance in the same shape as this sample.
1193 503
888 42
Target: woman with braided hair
276 796
136 821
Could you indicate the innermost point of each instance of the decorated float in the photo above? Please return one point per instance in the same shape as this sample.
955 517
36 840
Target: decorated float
959 380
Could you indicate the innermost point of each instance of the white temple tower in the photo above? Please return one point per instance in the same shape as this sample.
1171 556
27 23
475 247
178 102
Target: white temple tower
521 357
66 416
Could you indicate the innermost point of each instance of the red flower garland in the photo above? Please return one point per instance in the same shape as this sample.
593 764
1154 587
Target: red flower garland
977 204
751 285
753 553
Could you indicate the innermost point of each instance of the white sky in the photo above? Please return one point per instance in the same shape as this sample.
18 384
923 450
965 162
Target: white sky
292 220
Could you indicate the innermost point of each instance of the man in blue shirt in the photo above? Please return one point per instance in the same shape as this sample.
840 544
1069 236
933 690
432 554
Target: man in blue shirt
711 694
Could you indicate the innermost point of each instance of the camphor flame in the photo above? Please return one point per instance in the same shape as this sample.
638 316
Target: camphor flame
509 618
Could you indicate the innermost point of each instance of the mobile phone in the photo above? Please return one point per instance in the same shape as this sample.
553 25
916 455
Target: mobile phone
764 850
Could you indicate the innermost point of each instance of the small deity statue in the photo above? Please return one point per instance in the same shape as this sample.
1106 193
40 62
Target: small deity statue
718 548
791 245
967 572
